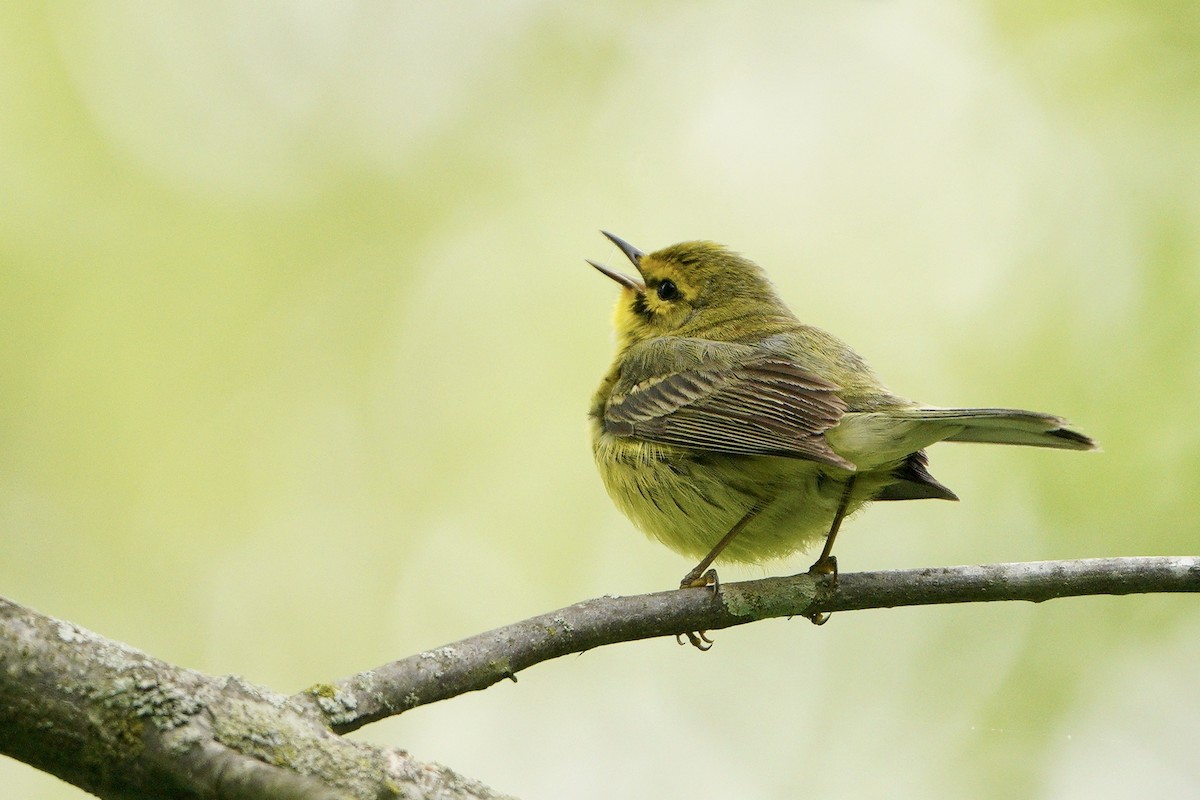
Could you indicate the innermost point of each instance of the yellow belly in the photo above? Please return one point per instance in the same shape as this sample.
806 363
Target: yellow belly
688 499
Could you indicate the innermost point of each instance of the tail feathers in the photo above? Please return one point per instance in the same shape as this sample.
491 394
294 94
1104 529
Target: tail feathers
1008 426
912 481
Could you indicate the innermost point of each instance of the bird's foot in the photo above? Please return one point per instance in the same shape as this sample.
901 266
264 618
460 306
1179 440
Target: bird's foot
697 579
826 566
698 640
826 569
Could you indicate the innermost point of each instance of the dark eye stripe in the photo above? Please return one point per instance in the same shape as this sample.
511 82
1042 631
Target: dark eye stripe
640 308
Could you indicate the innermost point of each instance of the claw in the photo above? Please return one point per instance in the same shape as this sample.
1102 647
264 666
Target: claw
696 580
825 567
697 639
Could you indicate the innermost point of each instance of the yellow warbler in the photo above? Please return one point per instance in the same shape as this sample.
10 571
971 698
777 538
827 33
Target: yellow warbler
726 428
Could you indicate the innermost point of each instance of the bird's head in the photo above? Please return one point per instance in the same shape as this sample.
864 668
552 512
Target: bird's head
699 289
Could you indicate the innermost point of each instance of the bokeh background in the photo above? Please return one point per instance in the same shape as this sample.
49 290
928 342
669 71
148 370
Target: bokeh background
297 342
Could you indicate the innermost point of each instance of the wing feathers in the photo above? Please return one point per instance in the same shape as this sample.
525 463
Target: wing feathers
764 405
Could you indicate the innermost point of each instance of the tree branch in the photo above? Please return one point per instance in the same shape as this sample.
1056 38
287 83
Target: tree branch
482 660
122 724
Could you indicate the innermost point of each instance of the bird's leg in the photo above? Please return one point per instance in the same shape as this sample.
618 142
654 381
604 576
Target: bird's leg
703 576
698 576
826 564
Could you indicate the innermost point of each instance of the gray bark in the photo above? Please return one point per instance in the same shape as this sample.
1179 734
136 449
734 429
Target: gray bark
122 724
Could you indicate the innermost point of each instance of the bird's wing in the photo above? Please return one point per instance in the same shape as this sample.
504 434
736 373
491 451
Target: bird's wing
724 398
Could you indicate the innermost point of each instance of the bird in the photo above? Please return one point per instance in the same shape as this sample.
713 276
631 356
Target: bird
730 431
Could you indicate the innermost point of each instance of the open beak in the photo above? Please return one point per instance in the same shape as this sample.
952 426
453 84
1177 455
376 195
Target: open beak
635 257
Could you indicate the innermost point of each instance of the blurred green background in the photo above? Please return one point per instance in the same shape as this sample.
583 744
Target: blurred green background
298 340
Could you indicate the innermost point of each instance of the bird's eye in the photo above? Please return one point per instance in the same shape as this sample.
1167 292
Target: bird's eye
667 290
